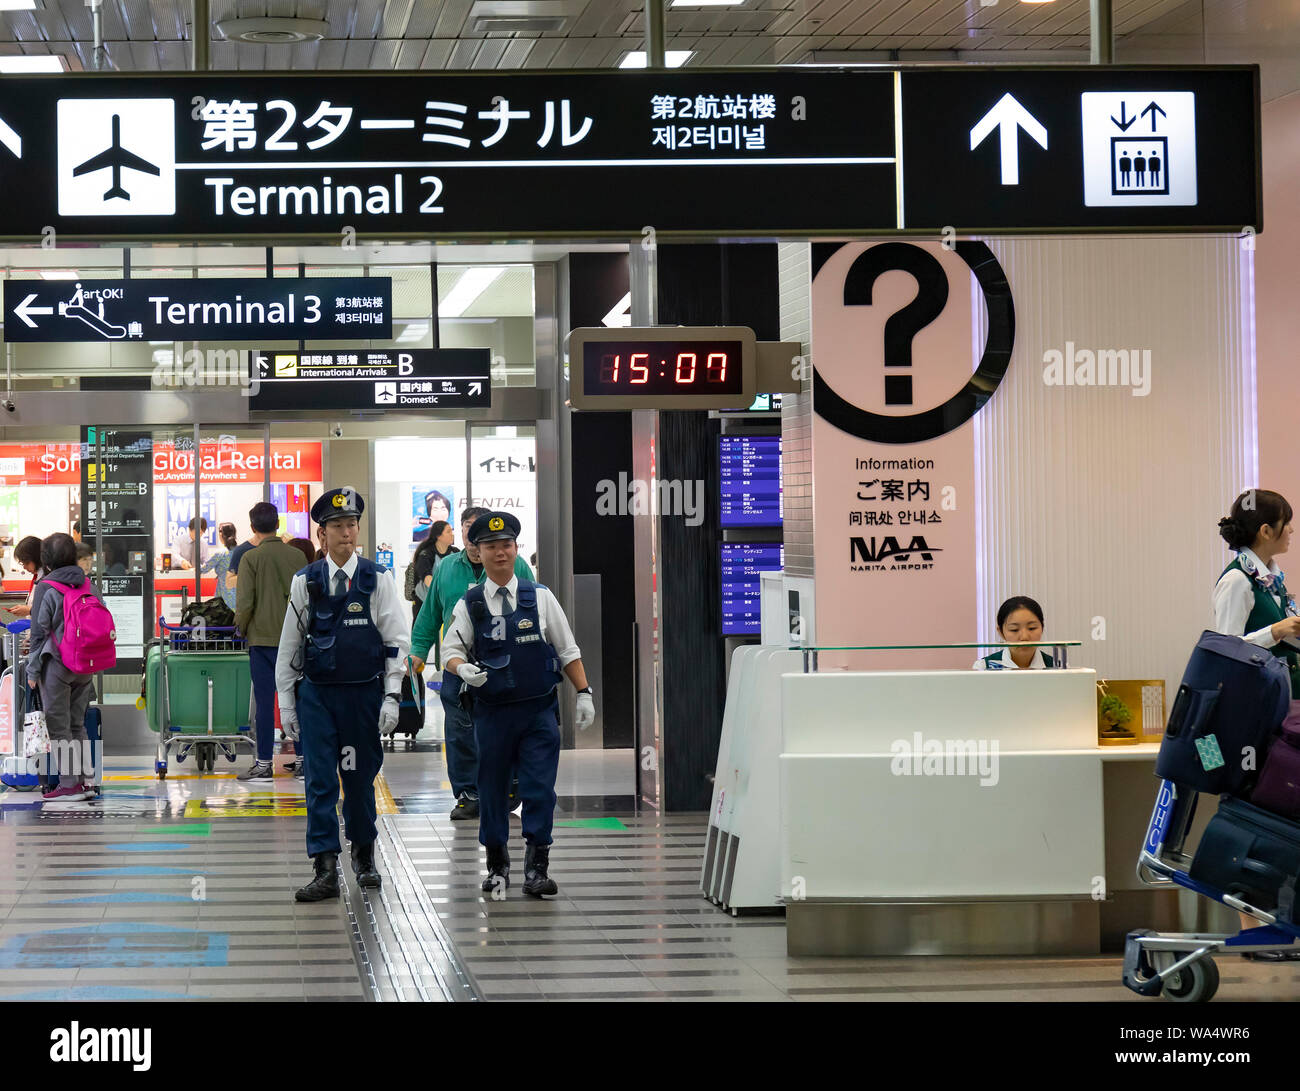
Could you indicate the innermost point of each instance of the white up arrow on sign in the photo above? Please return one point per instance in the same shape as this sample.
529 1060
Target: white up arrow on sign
1008 116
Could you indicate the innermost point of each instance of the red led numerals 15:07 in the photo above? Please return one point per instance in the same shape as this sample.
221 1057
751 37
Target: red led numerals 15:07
638 369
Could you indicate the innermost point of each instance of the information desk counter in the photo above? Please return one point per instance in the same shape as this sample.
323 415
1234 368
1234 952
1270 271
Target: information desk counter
955 812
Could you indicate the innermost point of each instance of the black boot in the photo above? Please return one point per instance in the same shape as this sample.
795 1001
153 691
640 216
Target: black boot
498 865
326 883
363 866
536 862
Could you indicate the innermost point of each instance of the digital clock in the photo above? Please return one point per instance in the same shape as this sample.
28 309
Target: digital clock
669 367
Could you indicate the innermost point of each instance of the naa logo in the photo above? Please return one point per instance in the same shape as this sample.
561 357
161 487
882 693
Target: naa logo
885 554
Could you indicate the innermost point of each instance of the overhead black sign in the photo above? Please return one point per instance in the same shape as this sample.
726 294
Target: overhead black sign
411 380
733 151
214 309
1072 148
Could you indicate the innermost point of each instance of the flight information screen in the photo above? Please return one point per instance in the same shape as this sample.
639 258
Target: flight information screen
750 481
741 564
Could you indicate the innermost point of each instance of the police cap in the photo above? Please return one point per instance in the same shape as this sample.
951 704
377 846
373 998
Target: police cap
493 525
338 503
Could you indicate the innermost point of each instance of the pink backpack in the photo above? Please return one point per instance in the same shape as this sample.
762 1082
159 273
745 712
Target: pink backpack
87 646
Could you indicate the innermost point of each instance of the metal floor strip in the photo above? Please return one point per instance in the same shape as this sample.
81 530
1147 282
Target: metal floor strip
420 950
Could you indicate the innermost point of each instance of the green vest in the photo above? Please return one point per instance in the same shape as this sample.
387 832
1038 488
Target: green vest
996 657
1267 612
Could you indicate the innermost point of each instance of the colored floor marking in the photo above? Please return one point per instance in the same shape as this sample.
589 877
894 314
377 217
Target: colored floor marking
148 846
140 897
102 872
190 829
594 823
384 802
173 776
99 992
251 805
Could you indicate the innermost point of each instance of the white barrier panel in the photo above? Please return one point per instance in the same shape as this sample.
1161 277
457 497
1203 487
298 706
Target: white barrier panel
742 856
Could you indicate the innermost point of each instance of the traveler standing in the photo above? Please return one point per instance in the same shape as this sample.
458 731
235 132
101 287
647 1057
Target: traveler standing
28 555
65 693
427 555
221 564
454 576
262 598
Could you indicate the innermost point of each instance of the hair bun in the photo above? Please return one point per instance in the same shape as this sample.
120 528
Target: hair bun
1228 522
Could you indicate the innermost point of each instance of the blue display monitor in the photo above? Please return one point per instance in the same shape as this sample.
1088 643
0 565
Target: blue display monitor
749 481
741 563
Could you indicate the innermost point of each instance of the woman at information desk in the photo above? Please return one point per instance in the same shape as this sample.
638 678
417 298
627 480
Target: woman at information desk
1251 601
1020 619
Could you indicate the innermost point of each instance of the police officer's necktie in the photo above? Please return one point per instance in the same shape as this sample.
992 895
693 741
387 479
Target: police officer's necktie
504 595
340 583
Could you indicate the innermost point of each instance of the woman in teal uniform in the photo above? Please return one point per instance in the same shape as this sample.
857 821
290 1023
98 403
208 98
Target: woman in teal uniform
1020 619
1251 601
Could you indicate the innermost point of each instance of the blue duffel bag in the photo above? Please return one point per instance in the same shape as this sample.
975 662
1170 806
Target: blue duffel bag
1233 698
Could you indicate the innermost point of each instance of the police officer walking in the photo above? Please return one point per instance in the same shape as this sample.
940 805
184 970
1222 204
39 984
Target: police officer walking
339 676
508 642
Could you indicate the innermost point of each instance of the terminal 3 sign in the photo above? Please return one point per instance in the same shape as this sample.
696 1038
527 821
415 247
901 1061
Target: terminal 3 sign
732 151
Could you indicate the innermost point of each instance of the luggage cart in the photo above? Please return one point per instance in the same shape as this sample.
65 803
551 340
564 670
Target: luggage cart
1180 965
198 694
14 770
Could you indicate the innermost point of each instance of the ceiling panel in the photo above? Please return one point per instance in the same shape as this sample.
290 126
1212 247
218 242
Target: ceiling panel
396 18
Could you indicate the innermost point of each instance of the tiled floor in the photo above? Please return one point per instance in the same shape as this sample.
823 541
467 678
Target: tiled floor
130 898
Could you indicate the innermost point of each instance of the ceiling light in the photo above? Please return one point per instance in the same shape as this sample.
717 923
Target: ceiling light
17 5
60 274
26 65
274 30
674 58
472 283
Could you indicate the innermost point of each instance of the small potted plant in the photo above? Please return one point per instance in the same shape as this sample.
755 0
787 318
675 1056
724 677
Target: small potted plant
1115 718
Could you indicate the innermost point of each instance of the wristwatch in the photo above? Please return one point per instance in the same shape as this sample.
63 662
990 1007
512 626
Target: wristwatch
587 689
393 697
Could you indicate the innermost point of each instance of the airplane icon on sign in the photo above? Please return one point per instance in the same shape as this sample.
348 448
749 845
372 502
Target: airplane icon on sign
116 157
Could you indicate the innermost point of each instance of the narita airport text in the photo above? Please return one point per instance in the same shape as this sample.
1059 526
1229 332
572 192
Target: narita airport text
323 198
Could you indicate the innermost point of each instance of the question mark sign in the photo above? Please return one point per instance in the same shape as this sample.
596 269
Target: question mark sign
903 325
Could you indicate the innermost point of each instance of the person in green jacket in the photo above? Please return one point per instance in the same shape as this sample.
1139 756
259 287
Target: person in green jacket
455 575
261 600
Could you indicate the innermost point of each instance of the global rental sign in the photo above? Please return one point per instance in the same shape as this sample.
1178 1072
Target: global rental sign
237 462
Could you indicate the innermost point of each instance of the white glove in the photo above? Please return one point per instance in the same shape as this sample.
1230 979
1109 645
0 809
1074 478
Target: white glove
289 721
388 715
471 675
586 711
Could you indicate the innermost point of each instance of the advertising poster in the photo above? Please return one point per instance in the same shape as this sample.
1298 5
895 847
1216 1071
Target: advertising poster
428 506
180 510
293 502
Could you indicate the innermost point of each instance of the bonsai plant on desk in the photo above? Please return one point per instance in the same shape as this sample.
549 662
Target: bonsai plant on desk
1115 716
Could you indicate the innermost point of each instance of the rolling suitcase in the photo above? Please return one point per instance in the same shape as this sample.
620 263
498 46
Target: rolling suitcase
94 775
1278 789
410 714
1232 699
1252 855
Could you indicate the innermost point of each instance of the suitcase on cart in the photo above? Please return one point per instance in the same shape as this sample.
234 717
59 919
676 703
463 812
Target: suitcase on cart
1233 697
1252 855
206 702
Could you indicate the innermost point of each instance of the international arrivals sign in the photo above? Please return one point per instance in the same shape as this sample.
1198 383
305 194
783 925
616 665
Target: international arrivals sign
732 151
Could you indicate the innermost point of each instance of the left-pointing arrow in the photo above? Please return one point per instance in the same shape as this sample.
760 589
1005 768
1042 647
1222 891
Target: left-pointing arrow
25 308
11 139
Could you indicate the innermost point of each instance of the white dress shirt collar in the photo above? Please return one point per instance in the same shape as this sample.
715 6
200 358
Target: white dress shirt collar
1038 663
1251 556
490 589
349 569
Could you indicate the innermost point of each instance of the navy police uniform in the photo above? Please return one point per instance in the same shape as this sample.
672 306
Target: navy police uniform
520 639
342 651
